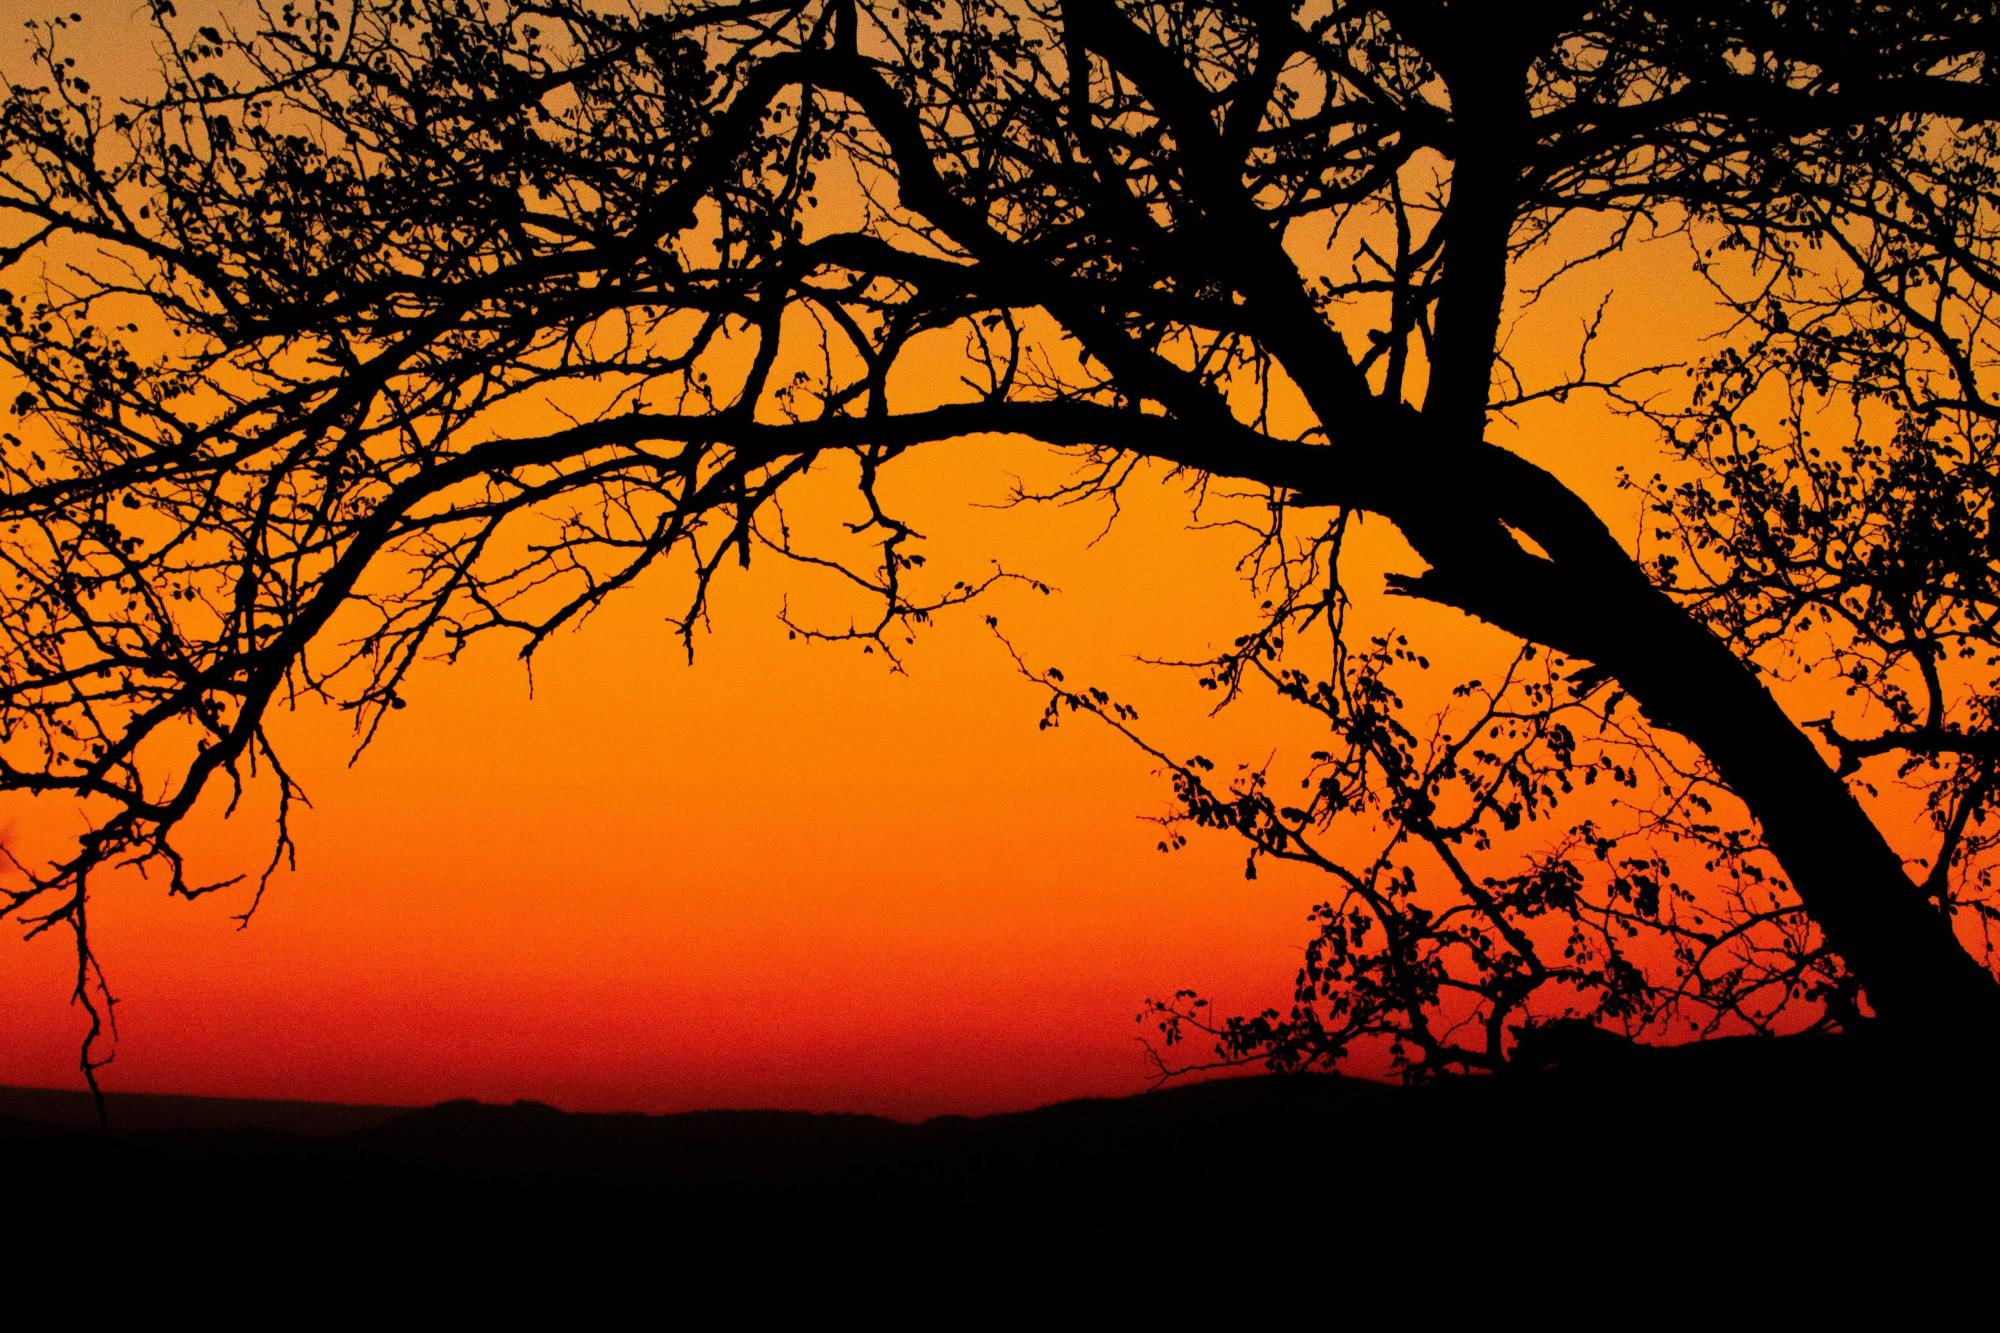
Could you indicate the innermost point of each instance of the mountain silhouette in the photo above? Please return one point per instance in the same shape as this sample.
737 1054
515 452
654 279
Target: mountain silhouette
1660 1133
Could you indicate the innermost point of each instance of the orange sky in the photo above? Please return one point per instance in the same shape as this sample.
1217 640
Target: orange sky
781 876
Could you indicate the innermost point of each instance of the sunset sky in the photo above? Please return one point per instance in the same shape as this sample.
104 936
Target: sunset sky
782 875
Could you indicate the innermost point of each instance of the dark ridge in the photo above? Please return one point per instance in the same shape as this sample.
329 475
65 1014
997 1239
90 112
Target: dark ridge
1821 1123
144 1112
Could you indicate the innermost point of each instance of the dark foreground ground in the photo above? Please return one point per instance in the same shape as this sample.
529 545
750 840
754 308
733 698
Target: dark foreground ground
1714 1146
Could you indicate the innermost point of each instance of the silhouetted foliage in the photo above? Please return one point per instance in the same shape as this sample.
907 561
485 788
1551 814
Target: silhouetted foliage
384 327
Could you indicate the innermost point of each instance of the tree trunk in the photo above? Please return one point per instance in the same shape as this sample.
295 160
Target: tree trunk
1851 882
1591 600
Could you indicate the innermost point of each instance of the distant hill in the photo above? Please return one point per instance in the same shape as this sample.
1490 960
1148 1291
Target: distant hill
149 1112
1676 1134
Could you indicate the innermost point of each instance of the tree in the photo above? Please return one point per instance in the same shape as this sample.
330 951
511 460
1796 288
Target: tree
392 325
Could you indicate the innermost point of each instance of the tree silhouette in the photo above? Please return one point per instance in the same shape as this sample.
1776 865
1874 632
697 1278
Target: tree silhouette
392 325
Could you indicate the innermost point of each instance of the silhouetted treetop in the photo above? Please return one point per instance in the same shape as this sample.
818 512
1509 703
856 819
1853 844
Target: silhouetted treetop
378 328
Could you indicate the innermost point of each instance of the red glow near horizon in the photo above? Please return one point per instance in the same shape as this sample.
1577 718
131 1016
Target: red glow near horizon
782 876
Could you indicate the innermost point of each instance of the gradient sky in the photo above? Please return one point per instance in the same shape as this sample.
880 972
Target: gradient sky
781 875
